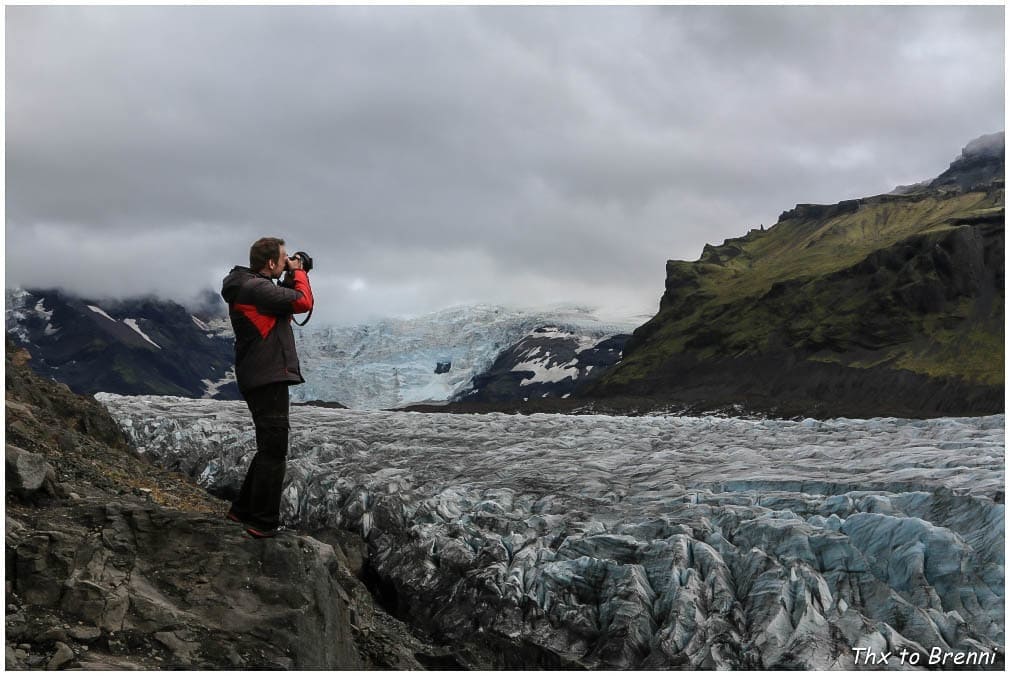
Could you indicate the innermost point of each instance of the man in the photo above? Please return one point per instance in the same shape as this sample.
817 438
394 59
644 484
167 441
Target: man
266 363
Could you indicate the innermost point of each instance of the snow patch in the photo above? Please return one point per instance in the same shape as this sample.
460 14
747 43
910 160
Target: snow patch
98 310
547 374
132 323
212 387
41 311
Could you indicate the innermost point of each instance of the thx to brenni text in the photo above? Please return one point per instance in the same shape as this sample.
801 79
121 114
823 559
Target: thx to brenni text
935 657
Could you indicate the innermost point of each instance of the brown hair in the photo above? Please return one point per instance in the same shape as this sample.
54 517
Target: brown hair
264 250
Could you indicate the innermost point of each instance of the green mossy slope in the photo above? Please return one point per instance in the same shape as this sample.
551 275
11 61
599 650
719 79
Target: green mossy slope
908 287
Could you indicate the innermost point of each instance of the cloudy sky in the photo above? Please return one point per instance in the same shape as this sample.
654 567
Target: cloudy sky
432 156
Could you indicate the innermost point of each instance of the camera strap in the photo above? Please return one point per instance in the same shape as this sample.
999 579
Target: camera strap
307 318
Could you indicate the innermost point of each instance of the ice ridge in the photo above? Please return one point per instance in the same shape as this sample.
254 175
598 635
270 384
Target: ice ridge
644 542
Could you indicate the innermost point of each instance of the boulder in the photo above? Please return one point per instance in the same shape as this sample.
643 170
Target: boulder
62 655
27 473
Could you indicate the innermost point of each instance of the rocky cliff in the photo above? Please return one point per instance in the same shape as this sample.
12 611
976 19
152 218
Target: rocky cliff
888 305
113 563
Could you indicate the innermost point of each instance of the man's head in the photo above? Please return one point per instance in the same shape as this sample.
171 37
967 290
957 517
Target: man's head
267 256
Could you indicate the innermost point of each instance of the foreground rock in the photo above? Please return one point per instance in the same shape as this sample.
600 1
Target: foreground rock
113 563
151 587
598 541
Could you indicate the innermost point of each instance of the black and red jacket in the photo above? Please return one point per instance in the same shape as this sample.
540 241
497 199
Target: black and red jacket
261 314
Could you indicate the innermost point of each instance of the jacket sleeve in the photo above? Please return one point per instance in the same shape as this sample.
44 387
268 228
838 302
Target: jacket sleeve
280 300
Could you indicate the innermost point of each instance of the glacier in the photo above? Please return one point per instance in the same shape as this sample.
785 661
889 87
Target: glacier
387 363
643 542
391 363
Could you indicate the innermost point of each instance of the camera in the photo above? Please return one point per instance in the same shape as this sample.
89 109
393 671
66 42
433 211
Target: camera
305 258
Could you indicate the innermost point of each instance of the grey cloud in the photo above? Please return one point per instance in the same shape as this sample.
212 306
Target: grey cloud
561 153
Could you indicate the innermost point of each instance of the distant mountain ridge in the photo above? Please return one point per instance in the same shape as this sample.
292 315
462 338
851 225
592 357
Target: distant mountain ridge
155 346
887 305
132 346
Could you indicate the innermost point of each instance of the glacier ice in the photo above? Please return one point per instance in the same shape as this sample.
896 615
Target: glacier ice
644 542
393 362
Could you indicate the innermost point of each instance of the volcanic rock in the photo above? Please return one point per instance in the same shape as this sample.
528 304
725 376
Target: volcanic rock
136 567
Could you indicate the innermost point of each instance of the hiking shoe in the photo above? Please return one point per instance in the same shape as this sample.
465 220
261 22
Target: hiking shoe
261 533
234 517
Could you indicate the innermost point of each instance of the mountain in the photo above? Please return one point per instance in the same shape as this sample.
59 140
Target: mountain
887 305
980 163
439 356
549 362
132 346
154 346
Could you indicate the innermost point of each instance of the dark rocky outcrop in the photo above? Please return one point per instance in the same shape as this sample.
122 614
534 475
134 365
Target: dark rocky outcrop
548 363
320 403
982 162
163 588
113 563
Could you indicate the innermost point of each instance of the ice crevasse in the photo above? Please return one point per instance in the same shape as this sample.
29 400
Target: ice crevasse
610 541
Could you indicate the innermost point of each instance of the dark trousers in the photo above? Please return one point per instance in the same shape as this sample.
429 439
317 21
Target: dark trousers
259 501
